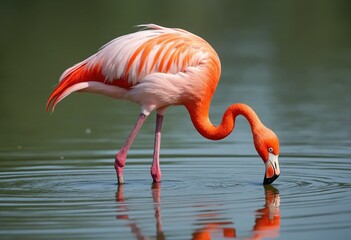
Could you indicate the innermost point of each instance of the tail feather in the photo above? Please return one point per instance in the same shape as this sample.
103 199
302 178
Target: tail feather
70 82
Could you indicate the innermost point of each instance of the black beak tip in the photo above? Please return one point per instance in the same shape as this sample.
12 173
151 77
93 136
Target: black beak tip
267 181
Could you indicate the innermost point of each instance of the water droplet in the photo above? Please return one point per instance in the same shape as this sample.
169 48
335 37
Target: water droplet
88 131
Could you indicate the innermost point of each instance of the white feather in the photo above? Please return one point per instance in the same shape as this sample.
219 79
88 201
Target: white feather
152 87
116 54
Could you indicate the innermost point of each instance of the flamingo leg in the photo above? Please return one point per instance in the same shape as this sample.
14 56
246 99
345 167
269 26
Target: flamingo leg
155 167
121 156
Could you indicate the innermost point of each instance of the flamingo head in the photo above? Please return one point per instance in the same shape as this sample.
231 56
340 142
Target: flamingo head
267 146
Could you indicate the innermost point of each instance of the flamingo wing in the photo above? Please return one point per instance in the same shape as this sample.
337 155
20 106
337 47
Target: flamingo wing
125 61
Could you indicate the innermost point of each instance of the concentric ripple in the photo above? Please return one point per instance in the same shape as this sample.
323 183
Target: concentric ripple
200 195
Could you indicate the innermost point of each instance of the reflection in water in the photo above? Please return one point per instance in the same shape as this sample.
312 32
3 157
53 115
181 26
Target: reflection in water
122 212
267 219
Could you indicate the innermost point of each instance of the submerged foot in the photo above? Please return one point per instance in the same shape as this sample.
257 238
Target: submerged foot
156 174
120 160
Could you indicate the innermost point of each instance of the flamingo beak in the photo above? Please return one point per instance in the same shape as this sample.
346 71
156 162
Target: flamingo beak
272 169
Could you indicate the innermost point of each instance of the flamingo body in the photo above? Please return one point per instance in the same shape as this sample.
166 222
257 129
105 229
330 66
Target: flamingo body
156 68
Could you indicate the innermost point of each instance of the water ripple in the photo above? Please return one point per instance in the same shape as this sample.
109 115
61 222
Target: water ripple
198 195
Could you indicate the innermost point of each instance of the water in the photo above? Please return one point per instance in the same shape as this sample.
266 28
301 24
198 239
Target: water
291 63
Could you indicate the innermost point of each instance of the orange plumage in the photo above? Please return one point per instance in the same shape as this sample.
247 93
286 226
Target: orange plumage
157 68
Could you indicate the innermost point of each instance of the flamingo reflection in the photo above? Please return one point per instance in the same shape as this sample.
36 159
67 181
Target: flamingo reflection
122 212
267 218
267 221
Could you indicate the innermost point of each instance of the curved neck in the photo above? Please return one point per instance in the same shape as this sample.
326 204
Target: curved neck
199 114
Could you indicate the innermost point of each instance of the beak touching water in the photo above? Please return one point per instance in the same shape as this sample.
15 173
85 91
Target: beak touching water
272 169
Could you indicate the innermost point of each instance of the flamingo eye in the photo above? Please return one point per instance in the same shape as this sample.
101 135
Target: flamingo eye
270 150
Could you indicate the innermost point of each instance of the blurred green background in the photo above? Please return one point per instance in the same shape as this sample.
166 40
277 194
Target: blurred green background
289 60
305 43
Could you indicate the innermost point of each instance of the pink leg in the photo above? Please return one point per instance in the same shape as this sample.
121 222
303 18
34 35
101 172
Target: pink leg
121 156
155 168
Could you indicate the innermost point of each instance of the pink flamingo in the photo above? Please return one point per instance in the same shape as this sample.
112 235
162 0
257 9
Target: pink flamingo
157 68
